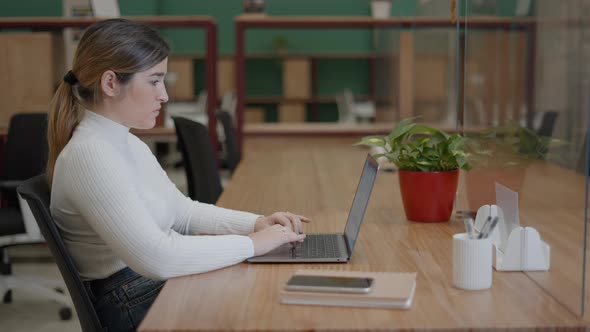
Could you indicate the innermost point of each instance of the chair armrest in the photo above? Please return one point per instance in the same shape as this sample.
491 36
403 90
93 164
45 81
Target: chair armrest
10 185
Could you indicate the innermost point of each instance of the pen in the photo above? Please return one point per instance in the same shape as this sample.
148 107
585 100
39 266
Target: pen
469 226
484 227
491 228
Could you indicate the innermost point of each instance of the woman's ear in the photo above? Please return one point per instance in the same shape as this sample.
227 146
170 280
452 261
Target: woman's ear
109 84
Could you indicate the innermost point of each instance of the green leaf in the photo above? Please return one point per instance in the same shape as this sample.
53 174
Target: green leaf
421 129
418 147
379 155
401 128
435 140
372 141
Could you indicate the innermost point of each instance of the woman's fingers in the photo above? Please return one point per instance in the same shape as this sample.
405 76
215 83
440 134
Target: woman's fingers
284 221
291 220
304 219
292 236
297 238
295 222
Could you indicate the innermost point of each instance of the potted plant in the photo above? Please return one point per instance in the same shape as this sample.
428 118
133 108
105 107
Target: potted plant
280 44
429 161
502 155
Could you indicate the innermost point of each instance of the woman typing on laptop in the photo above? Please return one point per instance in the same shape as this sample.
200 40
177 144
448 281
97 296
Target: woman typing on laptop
126 225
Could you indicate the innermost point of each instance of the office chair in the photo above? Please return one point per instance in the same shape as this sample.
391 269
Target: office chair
25 153
362 111
547 123
345 114
231 153
228 104
25 156
200 163
36 193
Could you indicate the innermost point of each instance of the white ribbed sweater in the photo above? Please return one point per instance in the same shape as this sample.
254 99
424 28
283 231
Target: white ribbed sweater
116 207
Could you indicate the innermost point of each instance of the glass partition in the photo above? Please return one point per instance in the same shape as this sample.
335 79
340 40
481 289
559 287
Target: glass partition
416 65
513 76
525 109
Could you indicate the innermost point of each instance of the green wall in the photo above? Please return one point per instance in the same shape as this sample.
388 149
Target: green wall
261 41
31 8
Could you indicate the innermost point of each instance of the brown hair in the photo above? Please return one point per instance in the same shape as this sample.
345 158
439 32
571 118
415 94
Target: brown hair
120 45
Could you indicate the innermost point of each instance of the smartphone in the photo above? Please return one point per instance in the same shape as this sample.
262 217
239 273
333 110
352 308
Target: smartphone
329 284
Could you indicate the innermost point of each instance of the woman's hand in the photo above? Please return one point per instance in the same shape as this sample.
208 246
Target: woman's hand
287 219
273 237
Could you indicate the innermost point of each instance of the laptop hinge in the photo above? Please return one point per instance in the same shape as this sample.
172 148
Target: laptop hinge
348 251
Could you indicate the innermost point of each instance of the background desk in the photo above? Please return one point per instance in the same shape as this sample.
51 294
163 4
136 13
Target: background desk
318 178
303 129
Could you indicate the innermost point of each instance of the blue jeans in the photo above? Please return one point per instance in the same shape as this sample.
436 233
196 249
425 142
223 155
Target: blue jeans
123 299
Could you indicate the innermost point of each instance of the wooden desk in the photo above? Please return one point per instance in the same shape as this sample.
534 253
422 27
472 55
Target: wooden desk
318 177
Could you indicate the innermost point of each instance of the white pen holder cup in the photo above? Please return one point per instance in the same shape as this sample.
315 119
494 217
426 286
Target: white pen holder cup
472 262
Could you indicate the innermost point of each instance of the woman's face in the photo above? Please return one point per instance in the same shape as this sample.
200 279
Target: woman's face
142 98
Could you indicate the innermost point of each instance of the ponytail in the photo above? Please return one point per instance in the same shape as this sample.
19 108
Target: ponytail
120 45
64 116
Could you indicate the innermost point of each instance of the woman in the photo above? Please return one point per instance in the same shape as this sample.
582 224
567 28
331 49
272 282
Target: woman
125 223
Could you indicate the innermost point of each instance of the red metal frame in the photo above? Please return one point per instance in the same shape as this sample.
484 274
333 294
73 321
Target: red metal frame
242 23
205 22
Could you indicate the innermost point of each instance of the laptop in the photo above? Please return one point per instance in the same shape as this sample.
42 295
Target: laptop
332 247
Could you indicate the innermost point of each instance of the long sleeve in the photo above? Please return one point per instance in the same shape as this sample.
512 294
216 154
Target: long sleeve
103 186
199 218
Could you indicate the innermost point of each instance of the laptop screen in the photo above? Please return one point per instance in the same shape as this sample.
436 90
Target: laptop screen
360 202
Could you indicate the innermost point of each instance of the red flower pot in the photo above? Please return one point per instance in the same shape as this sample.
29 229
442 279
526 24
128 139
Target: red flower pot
428 196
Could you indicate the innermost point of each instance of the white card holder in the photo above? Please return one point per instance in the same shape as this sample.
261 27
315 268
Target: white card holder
515 248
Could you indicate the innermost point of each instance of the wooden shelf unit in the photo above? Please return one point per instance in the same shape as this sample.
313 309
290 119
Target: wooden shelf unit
406 57
311 98
204 22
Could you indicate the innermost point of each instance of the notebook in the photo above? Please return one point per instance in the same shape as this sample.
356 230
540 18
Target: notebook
389 290
334 247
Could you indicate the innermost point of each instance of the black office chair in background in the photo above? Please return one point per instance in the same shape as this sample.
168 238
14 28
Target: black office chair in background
25 152
36 193
230 152
25 156
547 123
200 163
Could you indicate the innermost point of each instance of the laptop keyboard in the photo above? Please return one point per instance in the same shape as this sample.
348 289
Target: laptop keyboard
318 246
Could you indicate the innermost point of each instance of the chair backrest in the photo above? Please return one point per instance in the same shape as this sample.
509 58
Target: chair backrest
200 163
36 192
231 151
547 124
25 153
345 103
228 103
202 102
349 100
